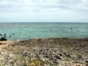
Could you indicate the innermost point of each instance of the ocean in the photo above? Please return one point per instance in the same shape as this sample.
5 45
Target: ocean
26 31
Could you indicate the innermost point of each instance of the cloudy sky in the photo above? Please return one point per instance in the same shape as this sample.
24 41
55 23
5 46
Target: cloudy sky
43 10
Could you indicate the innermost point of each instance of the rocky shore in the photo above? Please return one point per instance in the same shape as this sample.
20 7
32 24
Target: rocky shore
46 52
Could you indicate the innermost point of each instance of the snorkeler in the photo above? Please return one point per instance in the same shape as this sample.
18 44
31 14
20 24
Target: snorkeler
13 34
10 35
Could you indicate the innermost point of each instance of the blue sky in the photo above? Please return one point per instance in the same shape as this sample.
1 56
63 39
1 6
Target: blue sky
43 10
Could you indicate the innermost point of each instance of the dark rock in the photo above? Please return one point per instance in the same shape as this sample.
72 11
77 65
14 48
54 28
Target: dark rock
68 56
60 54
86 64
57 57
86 61
46 56
3 39
25 53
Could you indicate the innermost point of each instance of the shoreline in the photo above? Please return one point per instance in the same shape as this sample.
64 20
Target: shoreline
48 38
52 40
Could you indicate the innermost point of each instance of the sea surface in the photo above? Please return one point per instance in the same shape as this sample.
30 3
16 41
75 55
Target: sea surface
25 31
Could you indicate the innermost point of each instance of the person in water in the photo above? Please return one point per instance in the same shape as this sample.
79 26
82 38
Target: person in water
13 34
71 28
4 36
10 35
0 34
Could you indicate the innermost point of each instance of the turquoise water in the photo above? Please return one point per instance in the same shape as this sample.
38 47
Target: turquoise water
24 31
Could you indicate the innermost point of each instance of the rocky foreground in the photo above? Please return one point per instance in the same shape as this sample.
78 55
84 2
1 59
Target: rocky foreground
46 52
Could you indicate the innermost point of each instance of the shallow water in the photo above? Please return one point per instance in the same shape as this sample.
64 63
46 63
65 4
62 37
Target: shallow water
24 31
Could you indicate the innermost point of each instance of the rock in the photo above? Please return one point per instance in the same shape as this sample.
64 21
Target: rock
60 54
57 57
11 55
2 58
86 61
2 53
24 64
46 50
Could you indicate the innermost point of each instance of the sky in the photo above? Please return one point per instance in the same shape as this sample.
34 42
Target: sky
43 10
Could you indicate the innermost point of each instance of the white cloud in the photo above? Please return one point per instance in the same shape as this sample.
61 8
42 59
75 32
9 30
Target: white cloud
24 5
64 9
